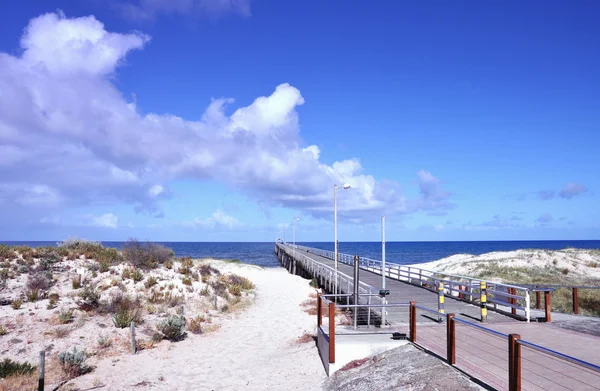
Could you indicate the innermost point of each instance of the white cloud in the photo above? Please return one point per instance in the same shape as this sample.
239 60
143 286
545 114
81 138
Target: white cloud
219 219
107 220
156 190
74 139
572 190
150 9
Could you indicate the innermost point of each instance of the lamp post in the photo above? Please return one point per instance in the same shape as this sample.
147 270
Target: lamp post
295 219
335 239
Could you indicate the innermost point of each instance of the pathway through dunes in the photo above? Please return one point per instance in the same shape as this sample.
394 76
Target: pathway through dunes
256 350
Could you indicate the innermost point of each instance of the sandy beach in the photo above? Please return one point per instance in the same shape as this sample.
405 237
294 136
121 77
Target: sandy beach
255 349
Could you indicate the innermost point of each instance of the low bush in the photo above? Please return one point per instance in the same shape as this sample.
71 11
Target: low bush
204 291
16 304
32 295
186 281
173 300
146 255
6 252
195 325
125 310
103 266
38 282
235 290
65 316
172 328
90 296
150 282
208 270
9 367
104 342
76 282
243 282
219 288
3 330
137 275
169 264
73 362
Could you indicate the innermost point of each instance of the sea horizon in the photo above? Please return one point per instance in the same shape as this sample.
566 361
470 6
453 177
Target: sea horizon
410 252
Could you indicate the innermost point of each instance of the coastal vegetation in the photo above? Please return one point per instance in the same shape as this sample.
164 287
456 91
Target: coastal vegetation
545 268
66 295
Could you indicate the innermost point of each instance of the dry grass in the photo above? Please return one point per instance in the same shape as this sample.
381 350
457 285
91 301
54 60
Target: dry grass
305 338
53 375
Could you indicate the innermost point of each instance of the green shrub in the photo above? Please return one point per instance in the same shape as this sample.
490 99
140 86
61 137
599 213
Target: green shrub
172 328
146 255
3 330
73 362
104 266
90 296
32 295
204 291
169 264
65 316
16 304
150 282
9 367
137 275
186 281
104 342
125 310
235 290
6 252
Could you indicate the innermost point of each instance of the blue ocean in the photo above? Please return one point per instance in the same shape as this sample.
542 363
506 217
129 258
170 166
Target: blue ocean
398 252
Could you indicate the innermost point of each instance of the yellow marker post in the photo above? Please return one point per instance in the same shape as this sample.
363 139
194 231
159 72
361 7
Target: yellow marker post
440 300
483 300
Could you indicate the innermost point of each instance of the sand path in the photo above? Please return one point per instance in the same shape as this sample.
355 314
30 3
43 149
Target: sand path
254 351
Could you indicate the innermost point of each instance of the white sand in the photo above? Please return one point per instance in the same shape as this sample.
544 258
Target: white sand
255 350
579 263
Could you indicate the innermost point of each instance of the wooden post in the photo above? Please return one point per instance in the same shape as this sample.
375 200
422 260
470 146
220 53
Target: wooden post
319 314
413 322
548 306
460 294
331 332
575 301
513 291
132 332
514 363
42 370
538 300
451 339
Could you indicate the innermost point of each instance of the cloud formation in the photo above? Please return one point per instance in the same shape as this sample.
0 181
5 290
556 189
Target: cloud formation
107 220
219 219
150 9
545 218
70 139
572 190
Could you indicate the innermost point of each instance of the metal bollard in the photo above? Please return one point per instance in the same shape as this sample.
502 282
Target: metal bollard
483 300
440 300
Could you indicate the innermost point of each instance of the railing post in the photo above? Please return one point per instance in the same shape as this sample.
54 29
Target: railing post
514 362
369 312
470 290
575 301
440 300
413 322
42 370
460 294
319 314
547 306
514 292
355 293
331 332
483 300
538 300
451 339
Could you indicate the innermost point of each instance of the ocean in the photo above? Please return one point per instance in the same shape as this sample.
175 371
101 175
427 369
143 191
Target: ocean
404 253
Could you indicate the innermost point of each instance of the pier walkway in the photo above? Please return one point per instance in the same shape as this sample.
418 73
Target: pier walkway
548 358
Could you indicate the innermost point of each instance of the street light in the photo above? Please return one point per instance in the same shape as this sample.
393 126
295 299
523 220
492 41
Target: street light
295 219
335 239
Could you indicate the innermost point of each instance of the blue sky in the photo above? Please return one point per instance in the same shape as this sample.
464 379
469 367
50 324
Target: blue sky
222 120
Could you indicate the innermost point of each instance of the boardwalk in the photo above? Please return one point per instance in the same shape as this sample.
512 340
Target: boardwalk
401 292
483 354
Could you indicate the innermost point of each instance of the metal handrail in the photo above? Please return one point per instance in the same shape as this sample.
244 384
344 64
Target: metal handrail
452 282
561 355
